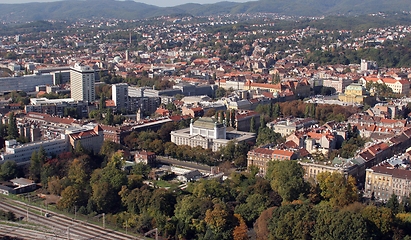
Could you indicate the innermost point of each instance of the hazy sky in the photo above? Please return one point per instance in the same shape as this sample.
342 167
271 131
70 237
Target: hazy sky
161 3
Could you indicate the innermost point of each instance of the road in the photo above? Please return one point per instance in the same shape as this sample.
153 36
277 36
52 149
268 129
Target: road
62 226
175 162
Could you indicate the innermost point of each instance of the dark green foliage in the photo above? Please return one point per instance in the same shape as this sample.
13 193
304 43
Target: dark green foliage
393 204
287 179
12 131
293 221
8 216
266 135
8 170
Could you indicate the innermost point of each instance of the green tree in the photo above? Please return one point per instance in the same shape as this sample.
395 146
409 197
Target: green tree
141 169
266 135
292 221
332 224
250 210
220 92
35 166
393 204
8 170
109 119
12 131
287 179
252 125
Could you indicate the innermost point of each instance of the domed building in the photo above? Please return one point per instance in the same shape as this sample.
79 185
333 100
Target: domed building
209 134
356 93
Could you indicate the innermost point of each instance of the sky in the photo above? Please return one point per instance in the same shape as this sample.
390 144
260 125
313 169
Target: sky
160 3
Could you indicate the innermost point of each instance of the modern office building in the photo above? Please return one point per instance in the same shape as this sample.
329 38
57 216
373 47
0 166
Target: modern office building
82 81
23 152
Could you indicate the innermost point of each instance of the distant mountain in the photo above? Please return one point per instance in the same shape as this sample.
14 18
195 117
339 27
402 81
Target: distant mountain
75 9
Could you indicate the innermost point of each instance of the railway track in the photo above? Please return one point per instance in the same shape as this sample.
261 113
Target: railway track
23 233
65 226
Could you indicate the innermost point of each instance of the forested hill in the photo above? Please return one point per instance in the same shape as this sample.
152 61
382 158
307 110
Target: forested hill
75 9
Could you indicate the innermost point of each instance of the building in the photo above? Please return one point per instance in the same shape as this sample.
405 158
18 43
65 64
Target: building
338 84
244 118
58 107
23 152
120 96
260 157
356 93
91 140
82 82
207 133
25 83
368 65
348 167
193 112
384 180
287 126
145 157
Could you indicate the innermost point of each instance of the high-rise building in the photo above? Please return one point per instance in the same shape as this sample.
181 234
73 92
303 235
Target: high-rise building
120 96
82 81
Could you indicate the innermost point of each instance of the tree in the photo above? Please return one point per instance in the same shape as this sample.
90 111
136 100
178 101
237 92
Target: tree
35 166
217 219
8 170
77 173
109 120
292 221
266 135
69 198
220 92
261 224
332 224
381 218
240 231
276 78
337 189
254 206
393 204
12 131
141 169
252 125
287 179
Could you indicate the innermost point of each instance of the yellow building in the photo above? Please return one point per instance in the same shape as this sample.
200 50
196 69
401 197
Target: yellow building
356 93
384 180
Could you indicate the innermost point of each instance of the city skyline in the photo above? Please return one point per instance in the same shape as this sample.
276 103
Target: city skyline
160 3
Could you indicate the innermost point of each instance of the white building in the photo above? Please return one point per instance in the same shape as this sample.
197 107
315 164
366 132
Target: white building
23 152
120 95
209 134
25 83
82 81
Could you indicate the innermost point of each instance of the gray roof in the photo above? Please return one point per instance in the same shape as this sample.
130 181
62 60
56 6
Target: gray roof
22 181
207 122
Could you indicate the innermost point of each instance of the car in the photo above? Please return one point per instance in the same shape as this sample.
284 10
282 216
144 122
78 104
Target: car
47 215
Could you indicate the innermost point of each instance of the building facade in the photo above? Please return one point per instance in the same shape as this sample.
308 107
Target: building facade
120 96
384 180
82 82
22 153
209 134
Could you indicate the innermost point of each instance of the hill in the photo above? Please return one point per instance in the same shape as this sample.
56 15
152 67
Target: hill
88 9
